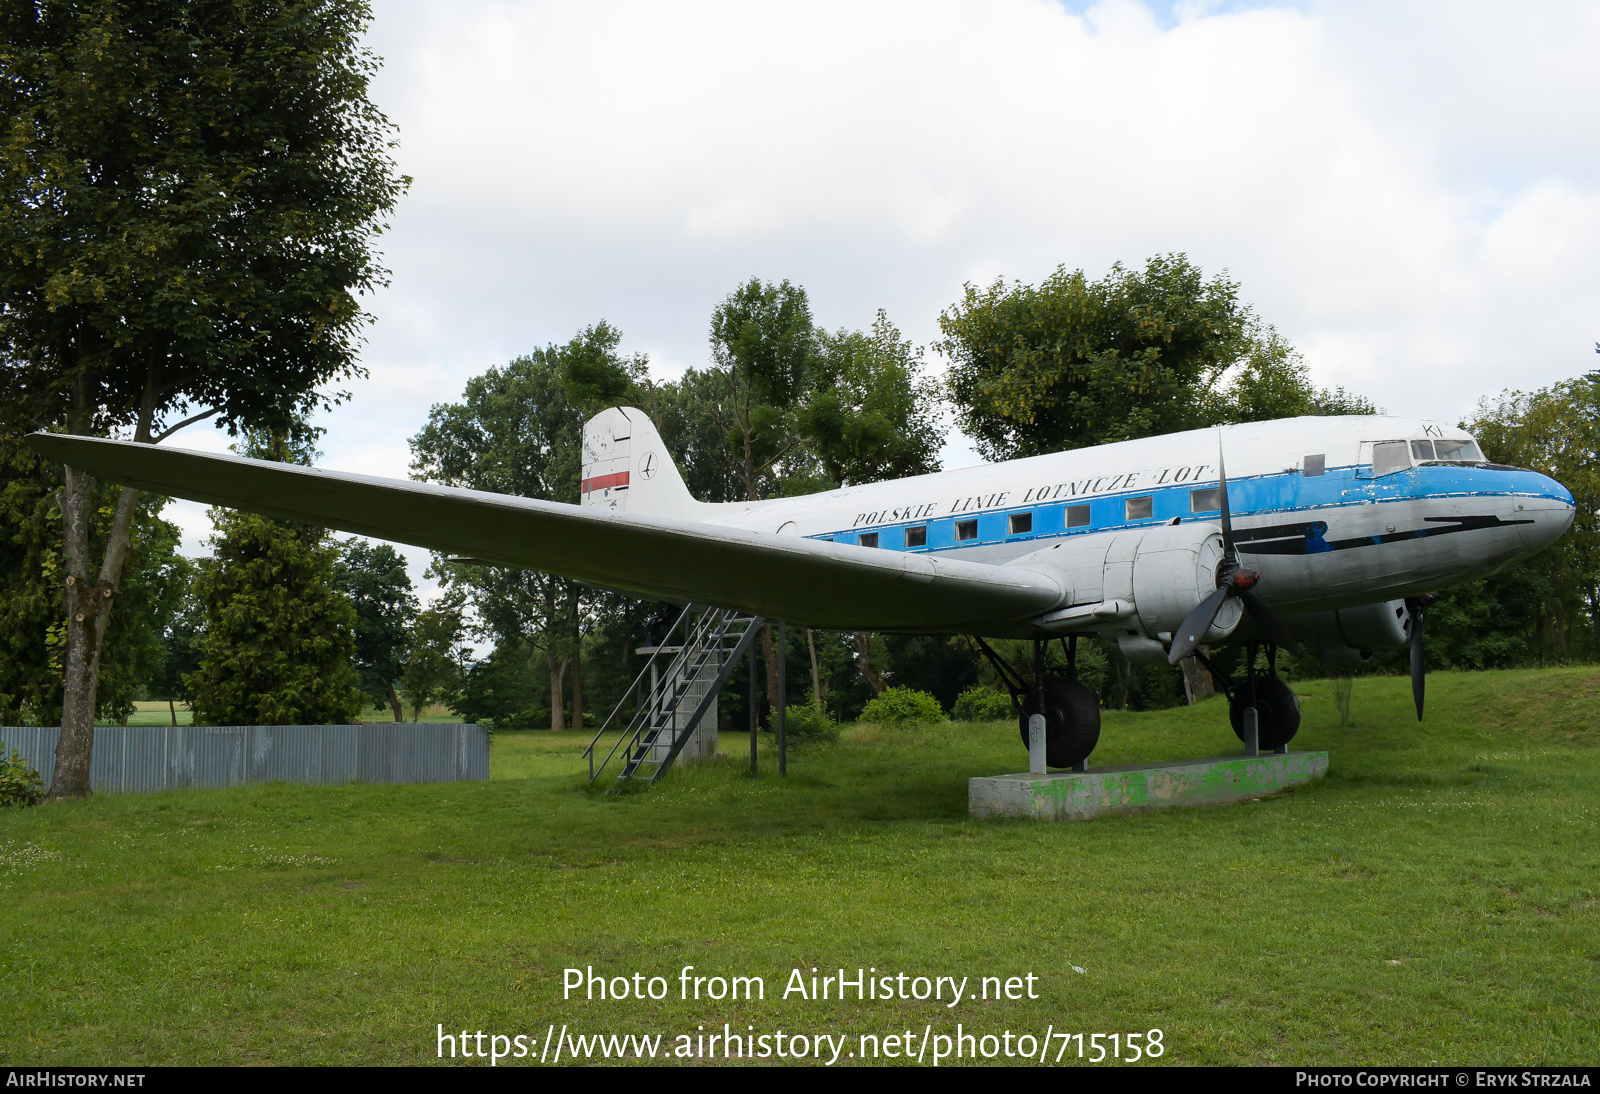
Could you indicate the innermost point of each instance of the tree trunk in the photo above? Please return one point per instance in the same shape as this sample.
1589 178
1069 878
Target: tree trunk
577 690
394 702
89 606
1197 682
864 661
816 677
769 654
558 669
173 708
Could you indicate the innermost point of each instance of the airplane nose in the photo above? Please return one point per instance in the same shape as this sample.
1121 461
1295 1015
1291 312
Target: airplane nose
1552 511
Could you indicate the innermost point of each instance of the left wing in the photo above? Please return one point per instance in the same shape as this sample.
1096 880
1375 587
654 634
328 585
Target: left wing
831 586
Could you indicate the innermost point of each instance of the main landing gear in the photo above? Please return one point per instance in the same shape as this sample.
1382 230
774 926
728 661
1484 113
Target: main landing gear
1264 711
1071 711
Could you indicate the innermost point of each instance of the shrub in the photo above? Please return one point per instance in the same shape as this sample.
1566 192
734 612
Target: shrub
19 782
980 704
902 707
805 722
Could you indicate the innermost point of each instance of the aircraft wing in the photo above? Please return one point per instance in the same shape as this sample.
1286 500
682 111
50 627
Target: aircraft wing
807 582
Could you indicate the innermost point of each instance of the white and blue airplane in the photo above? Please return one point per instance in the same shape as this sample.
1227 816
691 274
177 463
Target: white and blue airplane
1331 531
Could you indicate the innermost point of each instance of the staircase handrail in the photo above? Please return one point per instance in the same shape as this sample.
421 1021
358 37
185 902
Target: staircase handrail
637 680
631 735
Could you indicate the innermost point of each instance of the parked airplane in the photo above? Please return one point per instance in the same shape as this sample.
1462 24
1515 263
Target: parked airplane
1332 531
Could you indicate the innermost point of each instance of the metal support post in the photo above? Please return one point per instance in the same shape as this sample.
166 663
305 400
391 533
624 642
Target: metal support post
753 708
1251 725
1036 727
783 700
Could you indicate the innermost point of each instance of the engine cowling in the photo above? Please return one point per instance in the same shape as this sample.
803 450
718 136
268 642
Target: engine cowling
1138 586
1348 637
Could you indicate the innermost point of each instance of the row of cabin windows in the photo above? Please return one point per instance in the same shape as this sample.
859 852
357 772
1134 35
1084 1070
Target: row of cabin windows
1021 524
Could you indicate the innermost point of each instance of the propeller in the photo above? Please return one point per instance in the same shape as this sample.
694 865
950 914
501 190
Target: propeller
1418 607
1234 579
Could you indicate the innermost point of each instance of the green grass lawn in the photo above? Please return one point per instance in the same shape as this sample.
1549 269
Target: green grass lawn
1435 898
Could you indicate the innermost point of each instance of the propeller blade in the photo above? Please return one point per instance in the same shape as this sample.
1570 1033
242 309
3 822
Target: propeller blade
1271 623
1188 637
1419 668
1227 518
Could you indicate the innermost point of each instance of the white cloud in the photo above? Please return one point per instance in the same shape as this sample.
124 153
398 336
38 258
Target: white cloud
1410 192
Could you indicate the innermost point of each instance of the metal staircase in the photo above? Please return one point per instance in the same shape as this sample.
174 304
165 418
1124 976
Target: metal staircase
673 693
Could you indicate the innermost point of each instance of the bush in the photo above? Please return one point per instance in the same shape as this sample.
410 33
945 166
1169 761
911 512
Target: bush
806 723
902 707
19 782
980 704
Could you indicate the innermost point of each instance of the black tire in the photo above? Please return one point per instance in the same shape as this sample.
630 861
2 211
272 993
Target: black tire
1277 713
1071 722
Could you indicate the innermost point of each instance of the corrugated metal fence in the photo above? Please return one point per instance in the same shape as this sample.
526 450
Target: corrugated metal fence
129 759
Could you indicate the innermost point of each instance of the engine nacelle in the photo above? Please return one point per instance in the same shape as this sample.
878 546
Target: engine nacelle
1138 586
1347 638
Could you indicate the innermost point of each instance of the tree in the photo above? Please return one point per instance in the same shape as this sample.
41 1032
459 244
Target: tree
1272 381
763 344
180 656
373 577
31 627
870 413
1074 362
516 432
436 657
1556 430
189 195
279 639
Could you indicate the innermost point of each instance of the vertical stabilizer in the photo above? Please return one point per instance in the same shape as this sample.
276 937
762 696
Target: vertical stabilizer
626 467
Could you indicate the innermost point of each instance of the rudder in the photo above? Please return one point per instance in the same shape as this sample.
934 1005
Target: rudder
626 467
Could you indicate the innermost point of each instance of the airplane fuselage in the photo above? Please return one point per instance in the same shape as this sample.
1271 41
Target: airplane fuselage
1335 512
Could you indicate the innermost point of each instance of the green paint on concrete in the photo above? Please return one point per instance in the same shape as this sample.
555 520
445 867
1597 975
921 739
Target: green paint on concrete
1080 795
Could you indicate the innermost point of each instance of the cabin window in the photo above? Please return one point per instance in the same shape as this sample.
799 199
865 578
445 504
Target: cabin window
966 529
1077 516
869 539
1138 508
1316 465
1421 450
1389 457
1204 501
917 536
1021 523
1459 451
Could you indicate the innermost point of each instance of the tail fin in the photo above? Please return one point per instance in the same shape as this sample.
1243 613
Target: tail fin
626 467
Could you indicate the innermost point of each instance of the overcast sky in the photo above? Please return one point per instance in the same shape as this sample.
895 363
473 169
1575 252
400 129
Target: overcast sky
1410 192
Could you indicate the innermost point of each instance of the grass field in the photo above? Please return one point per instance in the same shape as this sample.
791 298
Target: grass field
1435 898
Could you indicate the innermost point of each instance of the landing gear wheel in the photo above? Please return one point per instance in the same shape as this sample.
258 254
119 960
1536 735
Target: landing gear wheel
1071 722
1277 713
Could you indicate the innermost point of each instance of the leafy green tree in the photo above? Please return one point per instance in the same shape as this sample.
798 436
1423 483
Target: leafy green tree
436 657
32 631
508 689
373 576
1272 381
278 639
1074 362
189 195
1556 430
763 344
516 431
180 657
870 413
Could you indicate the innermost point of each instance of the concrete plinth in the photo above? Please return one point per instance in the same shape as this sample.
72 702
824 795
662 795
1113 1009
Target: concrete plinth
1079 795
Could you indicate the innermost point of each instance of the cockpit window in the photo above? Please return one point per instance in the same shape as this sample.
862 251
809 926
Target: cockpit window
1389 457
1458 451
1421 450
